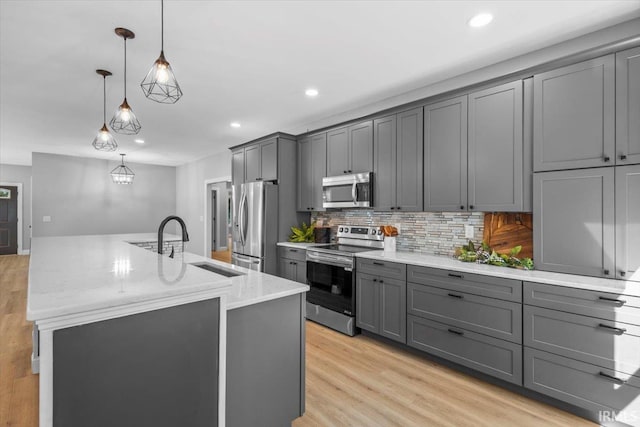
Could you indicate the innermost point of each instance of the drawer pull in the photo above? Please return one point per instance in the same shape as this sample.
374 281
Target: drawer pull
378 263
453 331
612 378
458 276
293 250
455 296
617 331
619 302
375 280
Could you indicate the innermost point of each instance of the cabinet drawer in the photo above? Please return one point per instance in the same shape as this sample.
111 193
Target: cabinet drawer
494 317
392 270
296 254
488 286
581 384
605 343
498 358
603 305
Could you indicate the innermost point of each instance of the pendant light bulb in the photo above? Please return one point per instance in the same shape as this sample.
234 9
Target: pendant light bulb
104 141
160 84
124 121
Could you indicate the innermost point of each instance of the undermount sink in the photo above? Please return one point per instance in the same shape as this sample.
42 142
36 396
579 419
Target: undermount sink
218 270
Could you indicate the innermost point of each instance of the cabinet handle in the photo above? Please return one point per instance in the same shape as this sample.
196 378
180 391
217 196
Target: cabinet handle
381 281
612 378
349 170
606 158
293 250
344 171
606 272
619 302
458 276
398 207
622 273
392 207
375 280
617 331
623 157
258 179
455 296
453 331
462 207
378 263
471 207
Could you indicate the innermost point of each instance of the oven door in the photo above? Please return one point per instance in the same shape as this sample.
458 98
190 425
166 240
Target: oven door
331 286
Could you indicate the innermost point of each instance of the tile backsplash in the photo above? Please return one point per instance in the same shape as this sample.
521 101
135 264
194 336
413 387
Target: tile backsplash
437 233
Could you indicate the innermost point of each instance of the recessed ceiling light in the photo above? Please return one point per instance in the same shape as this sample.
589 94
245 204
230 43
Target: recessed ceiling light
234 124
480 20
139 141
311 92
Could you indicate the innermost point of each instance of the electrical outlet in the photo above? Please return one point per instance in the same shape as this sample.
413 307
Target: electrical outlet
468 231
46 218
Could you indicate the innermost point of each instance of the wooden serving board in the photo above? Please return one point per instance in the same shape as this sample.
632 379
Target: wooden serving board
503 231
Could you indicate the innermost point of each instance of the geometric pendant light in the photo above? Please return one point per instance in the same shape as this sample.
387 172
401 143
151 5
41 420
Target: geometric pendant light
124 121
160 84
104 141
121 174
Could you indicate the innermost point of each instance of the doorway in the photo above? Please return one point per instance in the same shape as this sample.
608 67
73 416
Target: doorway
218 219
8 220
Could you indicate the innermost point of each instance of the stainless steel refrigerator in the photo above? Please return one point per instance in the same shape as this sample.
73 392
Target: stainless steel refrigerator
255 226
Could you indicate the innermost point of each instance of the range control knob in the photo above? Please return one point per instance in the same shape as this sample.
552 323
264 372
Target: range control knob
379 232
346 229
340 229
373 231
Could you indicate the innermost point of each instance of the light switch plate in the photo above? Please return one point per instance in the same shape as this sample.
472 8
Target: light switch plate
468 231
46 218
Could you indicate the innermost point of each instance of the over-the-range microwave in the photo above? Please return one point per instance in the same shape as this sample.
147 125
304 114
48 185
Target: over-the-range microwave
348 191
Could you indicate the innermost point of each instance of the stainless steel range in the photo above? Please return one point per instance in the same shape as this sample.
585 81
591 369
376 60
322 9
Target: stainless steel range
331 275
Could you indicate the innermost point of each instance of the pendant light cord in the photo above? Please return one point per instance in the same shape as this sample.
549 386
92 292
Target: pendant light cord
125 68
104 99
161 25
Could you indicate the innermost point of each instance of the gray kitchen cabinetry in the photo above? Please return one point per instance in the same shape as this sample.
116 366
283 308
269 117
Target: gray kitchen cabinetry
312 167
574 221
445 155
261 161
495 149
397 146
628 221
292 264
574 109
628 106
350 149
237 166
381 302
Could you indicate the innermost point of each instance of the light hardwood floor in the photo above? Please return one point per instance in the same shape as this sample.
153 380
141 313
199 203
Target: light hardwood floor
350 381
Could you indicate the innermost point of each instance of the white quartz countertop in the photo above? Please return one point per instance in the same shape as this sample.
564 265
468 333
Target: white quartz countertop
76 274
625 287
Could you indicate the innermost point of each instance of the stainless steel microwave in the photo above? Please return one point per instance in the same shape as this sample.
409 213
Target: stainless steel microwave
348 191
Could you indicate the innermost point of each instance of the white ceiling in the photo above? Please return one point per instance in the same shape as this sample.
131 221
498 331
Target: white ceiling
247 61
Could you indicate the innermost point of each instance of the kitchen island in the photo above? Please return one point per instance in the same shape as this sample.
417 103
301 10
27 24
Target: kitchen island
128 336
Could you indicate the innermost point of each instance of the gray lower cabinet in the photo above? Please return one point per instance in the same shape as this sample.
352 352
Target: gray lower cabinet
292 264
392 270
237 166
628 106
445 155
495 357
574 110
574 221
350 149
495 149
628 221
367 303
312 167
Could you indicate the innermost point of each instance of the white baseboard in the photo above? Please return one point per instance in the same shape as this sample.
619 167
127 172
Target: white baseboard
25 252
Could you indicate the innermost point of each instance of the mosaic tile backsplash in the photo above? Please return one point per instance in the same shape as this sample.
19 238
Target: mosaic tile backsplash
438 233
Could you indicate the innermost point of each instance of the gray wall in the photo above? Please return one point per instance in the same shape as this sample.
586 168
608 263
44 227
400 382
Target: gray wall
22 174
81 199
190 189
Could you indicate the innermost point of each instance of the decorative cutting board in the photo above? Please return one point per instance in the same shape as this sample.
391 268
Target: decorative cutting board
503 231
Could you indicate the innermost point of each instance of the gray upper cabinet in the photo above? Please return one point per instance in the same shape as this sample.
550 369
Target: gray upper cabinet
350 149
237 166
269 160
397 144
258 162
252 163
573 216
628 106
445 155
312 167
627 222
495 157
574 116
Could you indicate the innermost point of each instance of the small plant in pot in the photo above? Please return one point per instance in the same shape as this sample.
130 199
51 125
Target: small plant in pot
486 255
304 234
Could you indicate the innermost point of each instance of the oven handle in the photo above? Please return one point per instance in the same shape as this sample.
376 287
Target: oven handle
330 260
354 192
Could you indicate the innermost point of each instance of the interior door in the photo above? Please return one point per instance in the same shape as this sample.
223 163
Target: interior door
8 220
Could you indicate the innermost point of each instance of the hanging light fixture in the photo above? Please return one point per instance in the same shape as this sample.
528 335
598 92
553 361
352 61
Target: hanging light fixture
104 141
121 174
160 84
124 121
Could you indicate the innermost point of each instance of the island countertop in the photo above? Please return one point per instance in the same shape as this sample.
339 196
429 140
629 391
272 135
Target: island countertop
77 274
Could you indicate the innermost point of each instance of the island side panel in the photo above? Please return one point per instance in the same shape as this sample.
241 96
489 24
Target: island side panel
158 368
265 360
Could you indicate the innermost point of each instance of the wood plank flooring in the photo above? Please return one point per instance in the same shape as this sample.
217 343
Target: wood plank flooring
350 381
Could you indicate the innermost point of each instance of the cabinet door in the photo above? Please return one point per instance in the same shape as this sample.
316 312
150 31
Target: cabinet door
361 147
368 303
318 167
495 149
269 160
409 161
628 106
573 215
628 222
445 155
574 116
301 271
384 167
237 167
287 269
305 181
337 152
252 163
393 309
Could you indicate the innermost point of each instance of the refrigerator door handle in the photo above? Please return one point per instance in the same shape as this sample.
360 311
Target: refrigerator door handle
241 216
245 218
